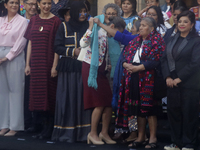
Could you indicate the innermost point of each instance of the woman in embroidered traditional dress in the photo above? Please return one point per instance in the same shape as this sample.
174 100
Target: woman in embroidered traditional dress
136 97
41 65
97 91
12 44
72 122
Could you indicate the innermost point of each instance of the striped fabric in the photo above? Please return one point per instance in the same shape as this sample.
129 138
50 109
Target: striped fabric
42 86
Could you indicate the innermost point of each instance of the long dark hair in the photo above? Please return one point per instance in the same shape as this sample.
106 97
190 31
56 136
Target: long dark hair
191 17
159 14
134 4
179 3
4 11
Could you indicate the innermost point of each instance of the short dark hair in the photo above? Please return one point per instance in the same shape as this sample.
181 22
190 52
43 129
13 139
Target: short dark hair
159 14
179 3
181 8
4 11
134 4
118 22
191 17
172 2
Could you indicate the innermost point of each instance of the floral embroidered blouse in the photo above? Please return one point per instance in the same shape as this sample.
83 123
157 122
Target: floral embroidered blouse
102 41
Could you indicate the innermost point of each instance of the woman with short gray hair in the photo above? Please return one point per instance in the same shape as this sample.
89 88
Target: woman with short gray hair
136 94
111 10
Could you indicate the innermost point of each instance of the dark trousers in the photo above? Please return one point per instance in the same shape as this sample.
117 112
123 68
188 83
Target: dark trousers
182 108
27 113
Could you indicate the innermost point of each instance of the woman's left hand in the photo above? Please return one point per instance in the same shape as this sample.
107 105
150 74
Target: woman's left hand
177 81
3 60
54 73
132 69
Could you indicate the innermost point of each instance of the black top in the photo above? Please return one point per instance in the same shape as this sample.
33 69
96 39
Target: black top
185 62
176 46
65 42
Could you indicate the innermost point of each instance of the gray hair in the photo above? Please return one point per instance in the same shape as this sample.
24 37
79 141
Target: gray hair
150 21
114 6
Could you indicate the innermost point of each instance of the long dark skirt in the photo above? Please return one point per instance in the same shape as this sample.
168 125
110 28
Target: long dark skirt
72 122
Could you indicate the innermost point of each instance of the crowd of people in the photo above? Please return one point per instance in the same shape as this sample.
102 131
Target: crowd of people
64 72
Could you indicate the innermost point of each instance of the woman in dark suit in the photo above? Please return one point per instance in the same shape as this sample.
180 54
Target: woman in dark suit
181 69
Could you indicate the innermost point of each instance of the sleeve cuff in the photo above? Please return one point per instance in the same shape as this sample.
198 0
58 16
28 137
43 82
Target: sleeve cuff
10 56
67 52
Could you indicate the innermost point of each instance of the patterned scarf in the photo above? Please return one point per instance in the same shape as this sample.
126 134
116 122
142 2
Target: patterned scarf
153 48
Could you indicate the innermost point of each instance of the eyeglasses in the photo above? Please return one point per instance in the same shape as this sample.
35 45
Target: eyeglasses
111 14
32 4
152 15
150 2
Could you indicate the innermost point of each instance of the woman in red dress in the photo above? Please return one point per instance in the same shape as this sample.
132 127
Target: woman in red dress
40 59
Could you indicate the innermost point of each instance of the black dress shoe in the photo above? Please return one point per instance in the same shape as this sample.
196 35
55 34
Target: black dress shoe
31 130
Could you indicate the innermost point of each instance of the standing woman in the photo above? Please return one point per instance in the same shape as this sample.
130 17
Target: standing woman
129 12
72 123
180 66
136 94
97 91
12 44
173 30
41 63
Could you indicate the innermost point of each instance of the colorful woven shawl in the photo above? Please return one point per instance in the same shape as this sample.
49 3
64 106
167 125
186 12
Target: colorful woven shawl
153 48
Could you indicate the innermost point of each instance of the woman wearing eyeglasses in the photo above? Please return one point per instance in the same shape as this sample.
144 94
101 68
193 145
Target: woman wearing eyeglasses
155 13
31 8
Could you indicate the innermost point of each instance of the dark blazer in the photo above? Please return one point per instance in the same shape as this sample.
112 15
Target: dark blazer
168 34
186 63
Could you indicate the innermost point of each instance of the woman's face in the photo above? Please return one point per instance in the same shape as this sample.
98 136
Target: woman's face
145 29
198 1
45 6
82 15
30 7
175 14
152 13
150 3
67 16
111 12
134 30
127 7
12 6
184 24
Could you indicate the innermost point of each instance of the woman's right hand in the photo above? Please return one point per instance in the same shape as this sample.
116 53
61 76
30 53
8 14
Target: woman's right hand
77 52
27 70
170 82
91 23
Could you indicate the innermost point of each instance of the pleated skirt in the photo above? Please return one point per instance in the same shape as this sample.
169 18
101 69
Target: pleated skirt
72 122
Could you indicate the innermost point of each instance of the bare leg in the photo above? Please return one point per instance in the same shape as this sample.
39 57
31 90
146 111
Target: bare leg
141 129
152 120
132 136
106 117
96 115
